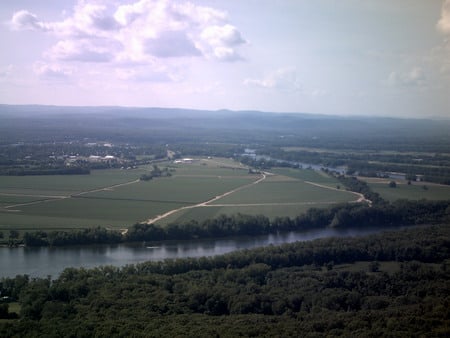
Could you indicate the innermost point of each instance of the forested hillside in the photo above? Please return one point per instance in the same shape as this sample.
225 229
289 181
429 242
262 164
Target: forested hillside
391 284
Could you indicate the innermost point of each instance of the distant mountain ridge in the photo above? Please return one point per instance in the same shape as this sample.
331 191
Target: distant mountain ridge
127 124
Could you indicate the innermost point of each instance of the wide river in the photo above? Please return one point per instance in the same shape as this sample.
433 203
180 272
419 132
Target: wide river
44 261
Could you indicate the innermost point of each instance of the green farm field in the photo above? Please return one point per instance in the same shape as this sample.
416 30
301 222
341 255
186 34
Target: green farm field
308 175
202 189
212 211
274 190
415 191
111 198
284 192
62 185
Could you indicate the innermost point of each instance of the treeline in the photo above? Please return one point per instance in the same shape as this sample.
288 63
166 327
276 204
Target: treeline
355 185
400 213
60 238
391 284
433 174
22 171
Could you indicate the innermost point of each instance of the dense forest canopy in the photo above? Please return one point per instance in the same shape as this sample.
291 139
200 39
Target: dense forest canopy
391 284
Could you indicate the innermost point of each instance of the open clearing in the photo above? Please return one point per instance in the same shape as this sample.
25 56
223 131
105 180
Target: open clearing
283 192
415 191
202 189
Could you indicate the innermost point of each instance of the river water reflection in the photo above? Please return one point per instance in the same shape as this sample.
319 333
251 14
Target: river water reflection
41 262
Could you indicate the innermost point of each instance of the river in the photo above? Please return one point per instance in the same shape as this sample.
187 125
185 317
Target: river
44 261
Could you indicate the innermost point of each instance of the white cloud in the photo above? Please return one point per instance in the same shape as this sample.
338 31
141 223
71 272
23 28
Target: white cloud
24 20
219 41
284 79
171 44
83 50
51 71
444 23
138 32
415 77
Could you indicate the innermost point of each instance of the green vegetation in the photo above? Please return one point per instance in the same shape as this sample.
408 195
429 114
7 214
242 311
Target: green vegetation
401 213
309 175
117 198
414 191
112 198
272 211
392 284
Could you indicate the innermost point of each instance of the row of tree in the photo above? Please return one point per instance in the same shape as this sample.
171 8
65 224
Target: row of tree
400 213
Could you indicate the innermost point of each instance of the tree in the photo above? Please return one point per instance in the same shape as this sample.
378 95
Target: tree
374 266
13 234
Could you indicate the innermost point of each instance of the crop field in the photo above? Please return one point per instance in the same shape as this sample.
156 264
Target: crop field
415 191
308 175
61 185
284 192
111 198
269 210
197 190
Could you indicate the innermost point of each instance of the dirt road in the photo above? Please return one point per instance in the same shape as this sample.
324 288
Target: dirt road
204 204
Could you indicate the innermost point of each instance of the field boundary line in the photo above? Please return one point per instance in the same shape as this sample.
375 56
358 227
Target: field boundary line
360 199
204 204
269 204
55 198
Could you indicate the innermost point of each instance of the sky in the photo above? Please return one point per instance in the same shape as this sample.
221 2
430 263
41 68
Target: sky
339 57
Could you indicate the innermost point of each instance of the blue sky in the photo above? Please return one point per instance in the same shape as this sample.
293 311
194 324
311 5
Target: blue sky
346 57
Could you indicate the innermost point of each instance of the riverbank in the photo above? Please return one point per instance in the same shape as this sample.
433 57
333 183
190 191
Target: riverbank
401 213
394 283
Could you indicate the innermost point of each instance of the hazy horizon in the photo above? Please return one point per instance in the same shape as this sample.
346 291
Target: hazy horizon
346 58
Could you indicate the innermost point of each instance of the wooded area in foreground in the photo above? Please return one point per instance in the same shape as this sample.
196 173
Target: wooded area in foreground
391 284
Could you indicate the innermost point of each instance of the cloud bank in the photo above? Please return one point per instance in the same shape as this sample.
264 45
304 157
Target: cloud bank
141 32
415 77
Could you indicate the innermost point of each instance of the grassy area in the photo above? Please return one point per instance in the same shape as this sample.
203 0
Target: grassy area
85 212
37 187
114 198
113 205
308 175
183 189
271 211
286 192
282 194
415 191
